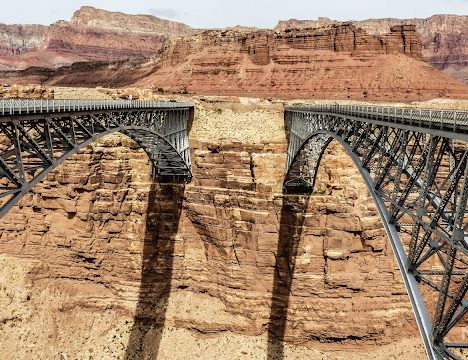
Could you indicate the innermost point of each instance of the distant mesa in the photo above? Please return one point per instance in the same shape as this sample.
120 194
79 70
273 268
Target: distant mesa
443 38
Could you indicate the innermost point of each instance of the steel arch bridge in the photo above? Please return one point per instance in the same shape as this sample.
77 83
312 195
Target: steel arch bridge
414 163
38 135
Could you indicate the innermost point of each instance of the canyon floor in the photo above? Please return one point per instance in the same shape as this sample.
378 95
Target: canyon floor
80 279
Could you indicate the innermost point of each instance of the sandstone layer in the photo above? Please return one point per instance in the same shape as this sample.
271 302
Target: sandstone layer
139 266
26 92
94 34
91 35
443 37
337 61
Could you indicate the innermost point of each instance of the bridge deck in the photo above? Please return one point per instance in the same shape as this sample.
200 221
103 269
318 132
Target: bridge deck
447 123
25 107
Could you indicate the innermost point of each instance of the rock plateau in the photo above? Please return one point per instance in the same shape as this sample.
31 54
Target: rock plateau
444 38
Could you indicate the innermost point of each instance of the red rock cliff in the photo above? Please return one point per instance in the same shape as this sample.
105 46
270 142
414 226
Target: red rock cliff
443 38
102 233
92 34
329 62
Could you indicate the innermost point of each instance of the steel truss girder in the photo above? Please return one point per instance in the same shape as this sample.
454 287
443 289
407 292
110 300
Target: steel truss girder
32 146
419 182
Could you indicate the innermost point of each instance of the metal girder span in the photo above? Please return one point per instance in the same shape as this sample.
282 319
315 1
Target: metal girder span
416 169
31 145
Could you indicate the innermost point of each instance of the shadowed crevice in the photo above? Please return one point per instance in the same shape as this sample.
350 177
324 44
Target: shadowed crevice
165 201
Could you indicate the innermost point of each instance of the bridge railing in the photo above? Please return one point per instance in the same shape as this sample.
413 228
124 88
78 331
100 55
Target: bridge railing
26 106
459 119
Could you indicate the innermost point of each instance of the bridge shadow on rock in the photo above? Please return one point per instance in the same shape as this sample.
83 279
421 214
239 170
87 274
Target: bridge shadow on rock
162 223
293 212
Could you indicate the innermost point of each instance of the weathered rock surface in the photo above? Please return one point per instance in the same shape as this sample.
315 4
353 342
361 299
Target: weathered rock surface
372 59
443 38
339 61
202 258
91 35
15 39
26 92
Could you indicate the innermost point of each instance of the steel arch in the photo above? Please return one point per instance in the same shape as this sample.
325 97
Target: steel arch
419 182
36 138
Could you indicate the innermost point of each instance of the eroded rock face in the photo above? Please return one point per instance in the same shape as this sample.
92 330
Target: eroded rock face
443 38
203 257
16 39
89 17
91 35
336 61
33 91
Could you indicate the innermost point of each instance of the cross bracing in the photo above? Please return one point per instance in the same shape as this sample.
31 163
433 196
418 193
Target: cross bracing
38 135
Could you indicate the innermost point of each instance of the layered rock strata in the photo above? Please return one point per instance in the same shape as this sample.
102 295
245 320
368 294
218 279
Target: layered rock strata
33 91
443 38
91 35
338 61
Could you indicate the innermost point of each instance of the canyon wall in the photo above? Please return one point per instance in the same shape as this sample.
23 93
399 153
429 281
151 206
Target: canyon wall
16 38
337 61
91 35
99 35
379 59
443 38
137 266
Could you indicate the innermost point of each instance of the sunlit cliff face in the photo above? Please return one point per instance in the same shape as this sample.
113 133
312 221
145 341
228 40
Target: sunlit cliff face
138 267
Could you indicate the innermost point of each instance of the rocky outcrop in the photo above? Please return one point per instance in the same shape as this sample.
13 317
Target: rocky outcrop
337 61
203 257
17 39
443 37
91 35
89 17
265 46
26 92
94 34
372 59
96 44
